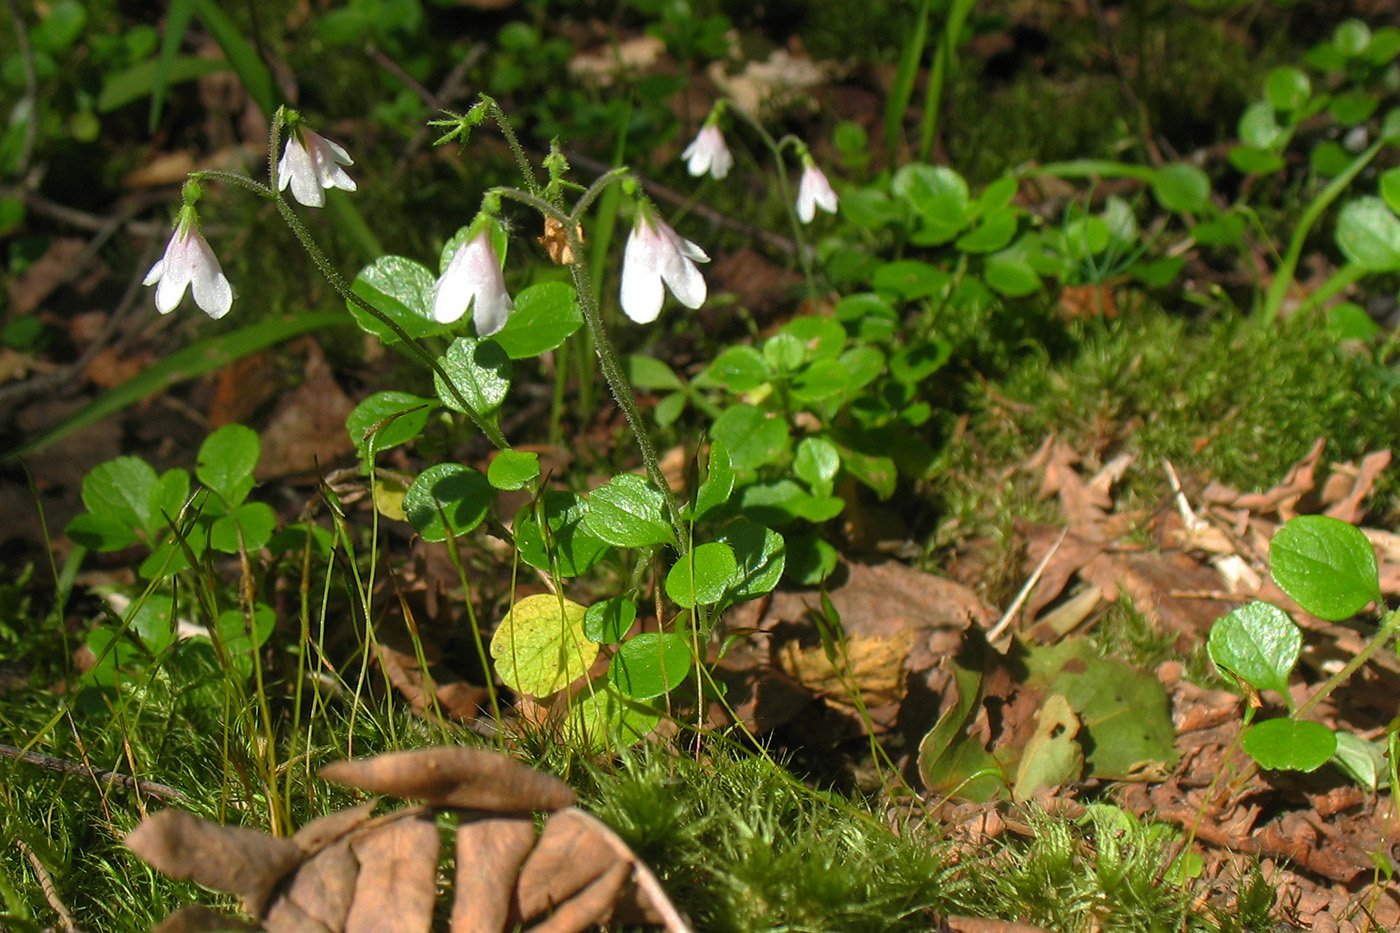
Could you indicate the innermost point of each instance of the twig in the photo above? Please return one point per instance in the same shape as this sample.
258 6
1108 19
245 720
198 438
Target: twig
1000 628
49 888
64 766
12 396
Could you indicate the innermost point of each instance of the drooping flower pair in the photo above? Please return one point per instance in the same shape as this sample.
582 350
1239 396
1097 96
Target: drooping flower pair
310 164
708 152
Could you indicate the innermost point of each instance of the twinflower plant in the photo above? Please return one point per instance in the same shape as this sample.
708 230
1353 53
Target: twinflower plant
189 263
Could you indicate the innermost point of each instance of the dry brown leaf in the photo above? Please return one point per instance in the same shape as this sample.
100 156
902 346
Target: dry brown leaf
490 851
308 428
397 885
874 663
319 894
591 906
569 855
346 873
457 699
1346 489
226 858
29 289
454 776
199 919
322 831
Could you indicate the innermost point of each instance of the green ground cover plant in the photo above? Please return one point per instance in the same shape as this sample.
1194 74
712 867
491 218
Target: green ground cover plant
933 332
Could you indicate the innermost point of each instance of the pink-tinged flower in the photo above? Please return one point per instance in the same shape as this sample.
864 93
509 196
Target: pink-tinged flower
708 153
473 279
814 191
657 255
189 262
312 163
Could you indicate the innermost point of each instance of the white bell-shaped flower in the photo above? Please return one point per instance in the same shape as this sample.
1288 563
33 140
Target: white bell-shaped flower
655 256
190 263
310 164
473 279
708 153
814 191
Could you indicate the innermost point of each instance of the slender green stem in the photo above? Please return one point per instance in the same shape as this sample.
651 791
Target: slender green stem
1389 627
775 147
621 388
508 131
1283 276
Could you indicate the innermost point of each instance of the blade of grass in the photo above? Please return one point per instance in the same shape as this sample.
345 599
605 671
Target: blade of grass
195 360
903 87
177 20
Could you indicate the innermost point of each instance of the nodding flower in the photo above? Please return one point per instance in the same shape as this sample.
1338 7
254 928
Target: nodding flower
473 279
813 191
708 153
312 163
655 256
190 263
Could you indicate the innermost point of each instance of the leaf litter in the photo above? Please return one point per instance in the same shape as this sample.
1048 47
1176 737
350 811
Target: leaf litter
356 872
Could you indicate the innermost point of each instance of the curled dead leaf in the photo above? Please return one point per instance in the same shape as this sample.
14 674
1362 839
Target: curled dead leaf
226 858
454 776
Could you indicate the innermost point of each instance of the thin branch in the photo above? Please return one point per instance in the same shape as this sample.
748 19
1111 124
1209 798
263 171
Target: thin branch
64 766
49 888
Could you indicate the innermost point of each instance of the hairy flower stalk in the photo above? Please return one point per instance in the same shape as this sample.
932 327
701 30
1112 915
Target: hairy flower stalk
190 263
813 191
310 164
657 256
473 279
708 153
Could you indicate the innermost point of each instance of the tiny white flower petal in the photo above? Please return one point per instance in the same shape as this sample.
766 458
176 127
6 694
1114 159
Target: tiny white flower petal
473 278
708 153
212 291
642 293
188 261
812 192
311 163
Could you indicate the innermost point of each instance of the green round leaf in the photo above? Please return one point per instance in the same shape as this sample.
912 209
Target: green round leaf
447 498
1351 108
669 409
1257 642
821 380
545 316
1288 88
821 337
1349 321
867 316
1290 744
609 621
918 361
910 279
1327 565
810 560
760 556
1368 234
226 461
628 511
1352 37
701 576
938 195
647 372
249 526
387 419
480 370
572 546
784 352
650 665
1253 161
154 621
816 463
1329 158
1182 188
121 491
241 645
513 469
1010 275
540 647
739 369
604 720
403 290
994 232
1259 128
719 482
752 436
